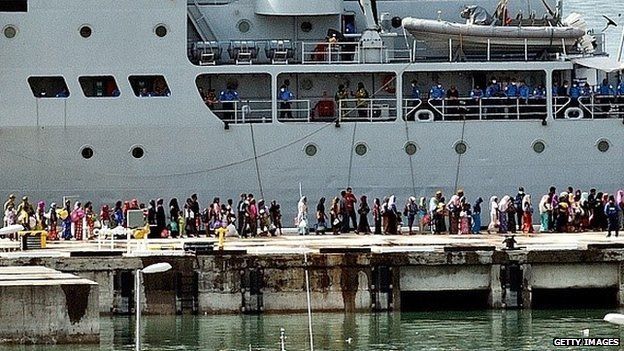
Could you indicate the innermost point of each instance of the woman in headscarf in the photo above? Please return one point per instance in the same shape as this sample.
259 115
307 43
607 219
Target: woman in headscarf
527 215
252 217
363 226
90 220
410 210
476 216
174 216
334 215
151 219
384 215
454 208
118 215
161 219
391 216
302 216
584 203
77 216
440 217
263 217
105 216
321 217
126 207
619 200
52 222
422 214
544 210
377 215
40 216
503 207
494 220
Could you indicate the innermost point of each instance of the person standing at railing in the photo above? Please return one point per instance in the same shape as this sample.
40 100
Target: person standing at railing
436 95
605 92
228 98
361 95
284 96
414 99
340 95
524 92
575 93
453 102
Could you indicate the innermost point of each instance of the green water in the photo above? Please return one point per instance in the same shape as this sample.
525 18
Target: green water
479 330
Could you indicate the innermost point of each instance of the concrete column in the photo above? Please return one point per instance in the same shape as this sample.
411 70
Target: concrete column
527 294
495 298
620 295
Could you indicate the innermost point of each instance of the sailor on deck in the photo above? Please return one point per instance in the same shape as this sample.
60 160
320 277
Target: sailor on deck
227 98
437 92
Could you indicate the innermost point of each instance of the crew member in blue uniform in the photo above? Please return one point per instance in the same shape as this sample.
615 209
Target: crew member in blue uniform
284 95
415 100
437 92
227 98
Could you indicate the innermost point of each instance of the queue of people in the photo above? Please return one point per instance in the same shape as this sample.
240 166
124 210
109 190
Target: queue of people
569 211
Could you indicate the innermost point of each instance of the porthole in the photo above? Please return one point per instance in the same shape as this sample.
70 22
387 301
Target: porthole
461 147
86 152
311 150
539 146
10 32
410 148
137 152
85 31
160 30
603 145
306 84
306 27
244 26
361 149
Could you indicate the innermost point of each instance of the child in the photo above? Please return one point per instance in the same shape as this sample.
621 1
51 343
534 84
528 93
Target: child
465 217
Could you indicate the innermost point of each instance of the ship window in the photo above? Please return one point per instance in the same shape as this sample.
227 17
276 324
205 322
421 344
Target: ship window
361 149
137 151
86 152
603 145
10 32
539 146
311 150
99 86
160 30
461 148
149 86
13 6
85 31
48 87
410 148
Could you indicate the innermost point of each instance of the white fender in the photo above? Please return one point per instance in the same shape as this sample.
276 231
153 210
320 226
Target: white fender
614 318
12 229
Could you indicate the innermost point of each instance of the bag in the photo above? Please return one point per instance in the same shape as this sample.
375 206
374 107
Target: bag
336 222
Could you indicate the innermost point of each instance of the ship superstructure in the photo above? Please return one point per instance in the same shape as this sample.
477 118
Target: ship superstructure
112 99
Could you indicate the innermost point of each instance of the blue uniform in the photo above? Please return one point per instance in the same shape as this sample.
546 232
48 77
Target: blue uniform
476 94
606 89
620 89
228 95
524 91
575 91
555 90
285 94
511 90
415 92
492 90
539 93
586 91
437 92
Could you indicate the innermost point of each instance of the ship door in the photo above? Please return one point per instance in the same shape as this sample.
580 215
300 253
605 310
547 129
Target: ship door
348 23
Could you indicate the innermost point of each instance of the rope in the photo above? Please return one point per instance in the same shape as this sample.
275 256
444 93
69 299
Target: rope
351 154
253 143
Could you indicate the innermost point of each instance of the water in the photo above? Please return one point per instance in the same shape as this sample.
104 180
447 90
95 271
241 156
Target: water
477 330
592 11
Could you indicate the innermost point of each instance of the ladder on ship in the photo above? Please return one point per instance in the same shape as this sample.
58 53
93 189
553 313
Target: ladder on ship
198 19
186 288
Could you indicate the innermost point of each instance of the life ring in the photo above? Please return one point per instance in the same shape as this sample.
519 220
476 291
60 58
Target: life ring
574 110
388 84
424 115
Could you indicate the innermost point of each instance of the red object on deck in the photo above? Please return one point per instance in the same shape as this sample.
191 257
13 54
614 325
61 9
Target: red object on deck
325 108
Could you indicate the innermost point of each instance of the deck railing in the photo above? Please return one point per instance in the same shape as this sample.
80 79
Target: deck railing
367 110
494 108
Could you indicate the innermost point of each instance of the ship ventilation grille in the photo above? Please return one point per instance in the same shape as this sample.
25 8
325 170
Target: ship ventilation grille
586 42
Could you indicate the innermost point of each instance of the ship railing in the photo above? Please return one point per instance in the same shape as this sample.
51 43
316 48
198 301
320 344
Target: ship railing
366 110
244 111
599 106
492 108
560 104
410 107
299 111
326 52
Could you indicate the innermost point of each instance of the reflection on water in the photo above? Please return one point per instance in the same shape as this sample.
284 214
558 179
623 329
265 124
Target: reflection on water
474 330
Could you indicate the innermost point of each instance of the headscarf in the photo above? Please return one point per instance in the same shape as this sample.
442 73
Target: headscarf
526 200
302 207
422 201
454 201
504 203
620 196
584 198
494 203
41 205
392 202
542 204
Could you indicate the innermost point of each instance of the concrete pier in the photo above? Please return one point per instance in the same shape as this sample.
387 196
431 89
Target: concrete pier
44 306
350 273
